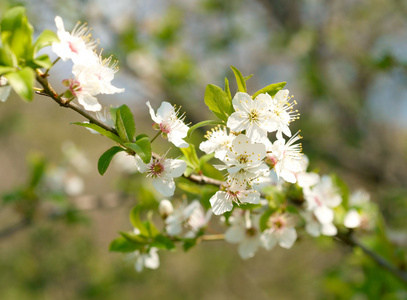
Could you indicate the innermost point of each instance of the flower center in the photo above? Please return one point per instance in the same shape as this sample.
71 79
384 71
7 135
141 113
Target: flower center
165 128
73 47
254 116
156 169
242 159
251 231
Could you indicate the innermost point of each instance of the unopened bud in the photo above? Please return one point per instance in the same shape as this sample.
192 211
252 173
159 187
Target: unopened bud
165 208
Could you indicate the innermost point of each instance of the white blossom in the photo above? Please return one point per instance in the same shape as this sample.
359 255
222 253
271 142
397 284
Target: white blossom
288 158
244 231
322 198
148 259
165 208
162 171
281 231
218 141
77 45
244 163
282 113
170 124
223 201
191 218
315 227
251 115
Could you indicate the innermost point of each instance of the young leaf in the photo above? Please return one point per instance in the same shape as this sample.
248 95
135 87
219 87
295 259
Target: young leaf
113 113
122 245
248 77
125 125
201 124
4 70
241 83
22 83
16 33
102 131
42 61
191 156
163 242
142 147
271 89
46 38
136 221
218 102
106 158
227 89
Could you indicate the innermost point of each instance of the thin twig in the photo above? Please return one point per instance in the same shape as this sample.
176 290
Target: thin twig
213 237
351 241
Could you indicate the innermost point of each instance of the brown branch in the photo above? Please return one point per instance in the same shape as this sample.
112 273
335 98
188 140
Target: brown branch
351 241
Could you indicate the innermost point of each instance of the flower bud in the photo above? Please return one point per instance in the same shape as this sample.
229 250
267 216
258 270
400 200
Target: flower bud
165 208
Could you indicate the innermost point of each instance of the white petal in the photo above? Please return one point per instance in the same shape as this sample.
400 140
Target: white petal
140 165
236 121
89 102
248 247
235 234
268 239
313 228
164 186
352 219
329 229
175 167
324 214
165 110
220 203
4 93
287 238
152 260
152 113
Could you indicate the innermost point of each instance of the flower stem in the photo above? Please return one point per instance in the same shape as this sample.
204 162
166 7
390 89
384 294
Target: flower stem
155 137
47 71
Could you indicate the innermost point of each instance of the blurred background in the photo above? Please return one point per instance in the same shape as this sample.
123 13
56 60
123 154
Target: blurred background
345 63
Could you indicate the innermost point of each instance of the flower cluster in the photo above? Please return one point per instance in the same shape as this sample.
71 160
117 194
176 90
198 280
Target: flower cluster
92 73
246 151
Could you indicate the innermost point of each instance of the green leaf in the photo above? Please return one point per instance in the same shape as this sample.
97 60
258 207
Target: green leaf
37 164
248 77
241 83
16 33
136 221
113 113
6 58
142 147
22 83
122 245
46 38
102 131
271 89
4 70
163 242
191 157
218 102
201 124
135 238
227 89
42 61
125 125
188 244
106 158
